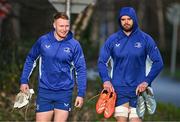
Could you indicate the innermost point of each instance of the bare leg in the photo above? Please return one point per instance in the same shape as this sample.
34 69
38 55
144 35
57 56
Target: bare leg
121 119
44 116
60 115
133 117
135 120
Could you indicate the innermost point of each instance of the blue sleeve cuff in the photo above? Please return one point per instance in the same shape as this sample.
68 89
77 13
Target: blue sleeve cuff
24 81
148 81
81 94
106 79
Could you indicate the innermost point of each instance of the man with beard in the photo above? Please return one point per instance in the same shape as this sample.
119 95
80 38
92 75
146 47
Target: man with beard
128 50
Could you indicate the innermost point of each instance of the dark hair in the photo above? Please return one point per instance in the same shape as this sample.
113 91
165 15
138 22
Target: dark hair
61 15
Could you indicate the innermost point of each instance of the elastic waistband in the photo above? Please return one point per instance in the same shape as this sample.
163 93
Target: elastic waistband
43 90
125 91
125 88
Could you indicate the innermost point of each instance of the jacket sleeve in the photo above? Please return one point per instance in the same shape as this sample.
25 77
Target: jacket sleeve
104 57
157 62
30 62
80 67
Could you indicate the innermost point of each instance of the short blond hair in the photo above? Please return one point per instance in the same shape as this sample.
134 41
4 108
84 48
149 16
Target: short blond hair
61 15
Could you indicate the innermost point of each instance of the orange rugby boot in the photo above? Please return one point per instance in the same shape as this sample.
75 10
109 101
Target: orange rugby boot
100 105
110 105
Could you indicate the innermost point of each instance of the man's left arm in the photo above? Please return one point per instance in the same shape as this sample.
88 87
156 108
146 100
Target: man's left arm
157 65
157 62
80 67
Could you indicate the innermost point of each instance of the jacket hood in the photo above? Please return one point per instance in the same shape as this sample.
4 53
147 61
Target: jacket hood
128 11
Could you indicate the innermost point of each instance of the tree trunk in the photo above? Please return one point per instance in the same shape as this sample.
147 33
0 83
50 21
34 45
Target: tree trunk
141 13
160 17
95 30
110 17
15 21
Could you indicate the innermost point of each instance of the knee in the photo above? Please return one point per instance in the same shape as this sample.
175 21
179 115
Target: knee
133 117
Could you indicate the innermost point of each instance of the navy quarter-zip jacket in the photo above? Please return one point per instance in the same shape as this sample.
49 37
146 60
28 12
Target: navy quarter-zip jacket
56 61
129 54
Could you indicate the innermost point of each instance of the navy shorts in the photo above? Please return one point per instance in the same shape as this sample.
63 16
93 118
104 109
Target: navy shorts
48 100
126 97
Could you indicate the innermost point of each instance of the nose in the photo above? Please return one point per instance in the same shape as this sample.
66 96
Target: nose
126 21
64 28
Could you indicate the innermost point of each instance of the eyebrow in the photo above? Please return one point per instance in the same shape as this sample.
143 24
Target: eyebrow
126 18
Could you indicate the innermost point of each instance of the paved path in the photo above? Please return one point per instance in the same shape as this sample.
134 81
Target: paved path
167 90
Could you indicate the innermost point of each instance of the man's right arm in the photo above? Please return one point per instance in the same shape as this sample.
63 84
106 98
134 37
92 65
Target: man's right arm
108 86
104 57
29 65
24 87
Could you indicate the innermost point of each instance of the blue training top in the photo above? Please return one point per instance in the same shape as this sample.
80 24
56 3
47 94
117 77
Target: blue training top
129 54
56 61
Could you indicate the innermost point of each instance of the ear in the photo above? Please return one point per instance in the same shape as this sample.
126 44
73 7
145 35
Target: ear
54 25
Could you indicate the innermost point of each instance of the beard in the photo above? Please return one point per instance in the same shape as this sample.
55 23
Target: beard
127 27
